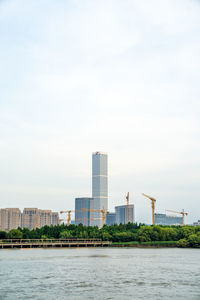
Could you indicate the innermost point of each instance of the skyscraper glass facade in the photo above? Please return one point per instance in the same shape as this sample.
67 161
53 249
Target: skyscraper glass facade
121 214
110 219
99 184
163 219
83 215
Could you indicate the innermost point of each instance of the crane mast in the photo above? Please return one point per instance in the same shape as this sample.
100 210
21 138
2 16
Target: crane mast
153 201
68 215
127 201
102 211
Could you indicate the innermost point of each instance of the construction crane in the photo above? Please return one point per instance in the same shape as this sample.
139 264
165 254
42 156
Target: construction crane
68 215
153 201
183 213
127 201
102 211
61 220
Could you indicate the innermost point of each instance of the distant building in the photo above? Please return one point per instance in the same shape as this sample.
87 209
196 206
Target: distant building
110 219
196 223
54 218
30 218
163 219
121 214
37 218
10 218
83 215
99 184
45 217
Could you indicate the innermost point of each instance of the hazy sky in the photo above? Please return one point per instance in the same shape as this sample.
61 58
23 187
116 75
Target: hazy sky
120 76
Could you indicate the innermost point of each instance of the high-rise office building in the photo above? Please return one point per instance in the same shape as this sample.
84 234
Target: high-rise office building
83 215
121 214
99 184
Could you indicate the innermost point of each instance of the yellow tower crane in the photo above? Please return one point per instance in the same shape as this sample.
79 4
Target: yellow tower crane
127 201
153 201
102 211
68 215
183 213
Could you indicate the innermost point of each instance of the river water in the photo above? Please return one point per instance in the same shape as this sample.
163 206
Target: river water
100 273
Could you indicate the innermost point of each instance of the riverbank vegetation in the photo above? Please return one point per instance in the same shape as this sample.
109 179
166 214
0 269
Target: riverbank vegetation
124 234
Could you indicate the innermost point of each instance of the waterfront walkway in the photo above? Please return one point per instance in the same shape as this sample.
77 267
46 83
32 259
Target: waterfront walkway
46 243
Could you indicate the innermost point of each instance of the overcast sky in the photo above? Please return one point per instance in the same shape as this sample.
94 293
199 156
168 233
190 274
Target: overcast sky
119 76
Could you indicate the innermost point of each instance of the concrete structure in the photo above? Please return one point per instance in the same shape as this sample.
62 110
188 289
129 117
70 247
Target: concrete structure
121 214
99 184
163 219
42 243
196 223
45 217
54 218
30 218
110 219
37 218
83 215
10 218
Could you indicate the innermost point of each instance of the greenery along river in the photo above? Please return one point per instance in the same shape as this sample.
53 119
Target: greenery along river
181 236
100 273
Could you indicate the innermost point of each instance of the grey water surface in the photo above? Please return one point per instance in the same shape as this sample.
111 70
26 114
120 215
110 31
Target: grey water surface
100 273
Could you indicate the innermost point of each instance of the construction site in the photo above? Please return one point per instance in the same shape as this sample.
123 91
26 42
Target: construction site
84 214
89 211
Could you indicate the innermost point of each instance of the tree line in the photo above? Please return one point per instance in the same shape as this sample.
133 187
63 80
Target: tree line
185 236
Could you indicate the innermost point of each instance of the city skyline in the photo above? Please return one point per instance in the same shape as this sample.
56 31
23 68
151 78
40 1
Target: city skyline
99 199
127 84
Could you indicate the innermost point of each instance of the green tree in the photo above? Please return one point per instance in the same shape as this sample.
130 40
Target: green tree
124 236
194 240
3 235
15 234
183 243
65 234
44 237
106 236
145 233
26 233
186 231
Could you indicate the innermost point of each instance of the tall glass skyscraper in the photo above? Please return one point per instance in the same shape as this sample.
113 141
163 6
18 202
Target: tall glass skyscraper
99 184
